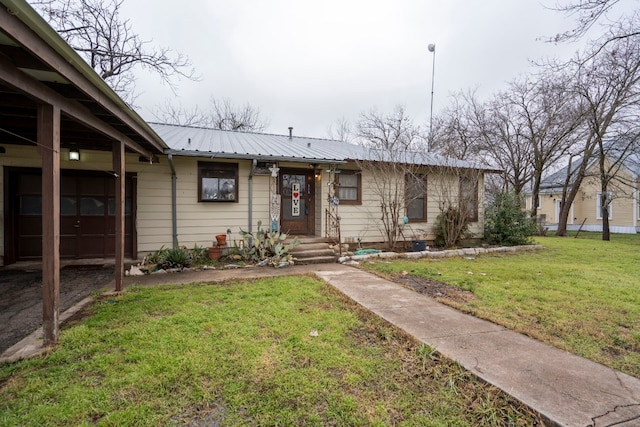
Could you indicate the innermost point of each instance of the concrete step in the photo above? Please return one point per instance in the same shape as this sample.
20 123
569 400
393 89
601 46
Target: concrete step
307 239
308 253
310 247
316 260
313 250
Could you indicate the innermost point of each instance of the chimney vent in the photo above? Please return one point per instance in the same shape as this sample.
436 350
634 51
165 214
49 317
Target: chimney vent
290 132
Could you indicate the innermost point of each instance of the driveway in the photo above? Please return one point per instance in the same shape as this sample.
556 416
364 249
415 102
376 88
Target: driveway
21 296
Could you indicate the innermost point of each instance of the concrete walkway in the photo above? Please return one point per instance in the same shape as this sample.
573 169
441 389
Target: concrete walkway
566 389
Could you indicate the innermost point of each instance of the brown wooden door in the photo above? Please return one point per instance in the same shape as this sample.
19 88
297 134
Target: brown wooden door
87 215
297 190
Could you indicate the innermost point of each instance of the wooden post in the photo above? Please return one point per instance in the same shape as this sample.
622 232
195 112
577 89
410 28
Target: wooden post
119 169
49 149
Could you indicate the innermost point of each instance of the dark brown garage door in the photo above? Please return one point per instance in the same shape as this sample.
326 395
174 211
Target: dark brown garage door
87 214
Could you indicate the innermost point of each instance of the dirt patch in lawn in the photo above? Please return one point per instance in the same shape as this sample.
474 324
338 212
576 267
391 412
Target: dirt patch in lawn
434 289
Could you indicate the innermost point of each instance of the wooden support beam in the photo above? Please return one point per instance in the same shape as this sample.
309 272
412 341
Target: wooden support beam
119 169
49 149
50 50
33 88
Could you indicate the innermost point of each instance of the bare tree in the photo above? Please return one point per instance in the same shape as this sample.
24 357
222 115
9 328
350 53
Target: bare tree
96 30
588 13
504 141
390 165
546 108
456 132
177 115
341 130
393 131
223 114
607 84
458 193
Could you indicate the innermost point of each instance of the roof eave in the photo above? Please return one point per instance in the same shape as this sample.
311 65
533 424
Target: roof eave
259 157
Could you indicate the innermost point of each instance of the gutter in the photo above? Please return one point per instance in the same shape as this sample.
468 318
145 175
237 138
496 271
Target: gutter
265 158
174 210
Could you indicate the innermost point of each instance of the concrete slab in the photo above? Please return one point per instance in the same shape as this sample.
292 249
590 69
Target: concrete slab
566 389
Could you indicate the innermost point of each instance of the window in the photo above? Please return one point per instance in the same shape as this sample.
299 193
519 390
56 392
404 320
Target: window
469 197
217 182
416 194
608 200
349 187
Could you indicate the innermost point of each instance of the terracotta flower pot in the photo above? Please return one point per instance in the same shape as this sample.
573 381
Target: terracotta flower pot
215 252
221 239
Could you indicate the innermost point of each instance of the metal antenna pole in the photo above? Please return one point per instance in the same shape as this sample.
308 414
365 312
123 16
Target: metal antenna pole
432 49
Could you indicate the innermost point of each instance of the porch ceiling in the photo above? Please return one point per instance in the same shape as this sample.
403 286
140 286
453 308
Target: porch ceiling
36 66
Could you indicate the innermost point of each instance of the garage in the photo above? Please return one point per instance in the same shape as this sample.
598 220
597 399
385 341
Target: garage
87 214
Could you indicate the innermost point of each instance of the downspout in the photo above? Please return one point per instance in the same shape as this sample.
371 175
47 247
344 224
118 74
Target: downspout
174 210
254 163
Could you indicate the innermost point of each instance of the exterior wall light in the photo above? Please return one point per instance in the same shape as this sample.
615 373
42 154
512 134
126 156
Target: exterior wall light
74 154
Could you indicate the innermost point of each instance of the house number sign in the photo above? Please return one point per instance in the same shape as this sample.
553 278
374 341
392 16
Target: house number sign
295 199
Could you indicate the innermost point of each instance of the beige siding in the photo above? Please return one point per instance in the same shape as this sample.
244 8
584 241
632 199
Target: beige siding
197 222
363 221
19 156
624 209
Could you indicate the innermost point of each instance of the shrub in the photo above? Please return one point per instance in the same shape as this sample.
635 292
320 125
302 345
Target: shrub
450 227
506 223
179 257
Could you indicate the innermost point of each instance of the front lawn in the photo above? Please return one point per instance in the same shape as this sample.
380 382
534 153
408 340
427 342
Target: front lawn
281 351
581 295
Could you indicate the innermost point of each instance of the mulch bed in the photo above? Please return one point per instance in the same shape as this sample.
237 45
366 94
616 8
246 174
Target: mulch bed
434 289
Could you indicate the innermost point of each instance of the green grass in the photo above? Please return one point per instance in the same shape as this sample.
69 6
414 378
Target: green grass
581 295
242 354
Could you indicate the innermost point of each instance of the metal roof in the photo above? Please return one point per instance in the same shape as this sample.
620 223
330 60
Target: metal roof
205 142
631 161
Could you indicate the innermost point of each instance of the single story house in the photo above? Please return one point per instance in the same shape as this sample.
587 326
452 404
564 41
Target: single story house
84 176
586 212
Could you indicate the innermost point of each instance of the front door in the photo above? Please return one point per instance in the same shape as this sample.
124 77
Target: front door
297 191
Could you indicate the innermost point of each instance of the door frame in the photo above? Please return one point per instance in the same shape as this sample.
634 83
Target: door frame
310 200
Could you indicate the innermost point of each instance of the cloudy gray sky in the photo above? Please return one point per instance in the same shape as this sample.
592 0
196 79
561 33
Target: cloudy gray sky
305 64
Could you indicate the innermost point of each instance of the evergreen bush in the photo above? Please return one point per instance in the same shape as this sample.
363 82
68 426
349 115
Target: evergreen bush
506 223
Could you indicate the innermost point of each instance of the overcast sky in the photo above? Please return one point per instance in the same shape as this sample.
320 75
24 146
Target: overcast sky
305 64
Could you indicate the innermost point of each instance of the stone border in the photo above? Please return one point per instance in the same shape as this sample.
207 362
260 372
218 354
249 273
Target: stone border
354 259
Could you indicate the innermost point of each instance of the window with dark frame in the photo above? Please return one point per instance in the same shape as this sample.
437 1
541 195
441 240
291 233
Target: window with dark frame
468 193
349 187
416 195
217 182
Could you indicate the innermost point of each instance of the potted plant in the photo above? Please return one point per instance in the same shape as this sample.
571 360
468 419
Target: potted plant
221 239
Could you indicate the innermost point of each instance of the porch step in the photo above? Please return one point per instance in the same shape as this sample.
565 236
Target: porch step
313 250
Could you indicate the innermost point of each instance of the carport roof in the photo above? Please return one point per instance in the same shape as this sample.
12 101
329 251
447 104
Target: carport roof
38 67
